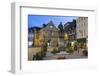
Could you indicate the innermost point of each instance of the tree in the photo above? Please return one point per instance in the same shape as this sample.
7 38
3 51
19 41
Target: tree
69 47
41 38
55 50
44 25
35 39
43 49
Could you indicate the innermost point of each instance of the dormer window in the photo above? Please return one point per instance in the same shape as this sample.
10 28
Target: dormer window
51 27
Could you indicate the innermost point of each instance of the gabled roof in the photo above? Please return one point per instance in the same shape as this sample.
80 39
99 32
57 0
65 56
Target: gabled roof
49 25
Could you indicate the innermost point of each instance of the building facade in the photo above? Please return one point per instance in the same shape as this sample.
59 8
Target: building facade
82 32
82 27
70 30
50 34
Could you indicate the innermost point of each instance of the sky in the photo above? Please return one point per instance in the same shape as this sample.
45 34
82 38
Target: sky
39 20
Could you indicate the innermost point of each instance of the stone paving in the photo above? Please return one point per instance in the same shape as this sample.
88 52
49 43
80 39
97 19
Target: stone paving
51 56
75 55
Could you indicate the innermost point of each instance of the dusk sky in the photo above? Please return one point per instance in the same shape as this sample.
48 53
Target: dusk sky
39 20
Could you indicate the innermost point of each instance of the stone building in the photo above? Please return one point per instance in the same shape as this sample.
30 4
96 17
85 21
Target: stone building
82 32
50 33
82 28
70 29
